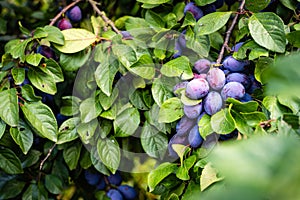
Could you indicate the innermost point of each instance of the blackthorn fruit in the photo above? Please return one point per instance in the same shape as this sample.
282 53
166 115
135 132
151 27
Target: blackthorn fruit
239 77
179 86
128 192
209 8
202 66
191 7
74 14
213 103
234 65
216 78
64 24
192 112
236 47
184 125
197 88
115 179
234 90
114 194
176 139
46 51
247 97
101 184
195 139
60 119
92 178
126 35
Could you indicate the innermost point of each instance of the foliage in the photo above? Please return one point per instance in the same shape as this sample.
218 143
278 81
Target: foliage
108 95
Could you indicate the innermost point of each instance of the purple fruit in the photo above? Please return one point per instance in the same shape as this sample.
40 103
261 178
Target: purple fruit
236 47
178 50
115 179
61 118
176 139
182 40
216 78
229 136
213 103
195 139
74 14
219 3
234 90
197 88
239 77
46 51
101 184
92 178
126 35
247 97
184 125
200 76
234 65
114 194
192 112
179 86
202 66
64 24
209 8
255 85
192 8
128 192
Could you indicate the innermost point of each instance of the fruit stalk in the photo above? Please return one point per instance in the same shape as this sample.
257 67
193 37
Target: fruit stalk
65 9
228 33
103 16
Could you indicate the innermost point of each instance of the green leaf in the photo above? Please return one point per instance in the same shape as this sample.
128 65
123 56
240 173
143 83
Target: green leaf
53 69
34 59
293 103
18 51
179 67
159 173
9 111
267 29
211 22
283 80
107 101
256 51
35 192
32 157
154 19
10 163
39 33
86 131
181 151
241 123
144 67
11 189
254 118
204 125
53 184
126 122
41 119
192 191
68 130
249 106
293 38
197 42
272 105
153 1
109 152
2 128
28 93
72 62
183 171
203 2
71 154
208 176
89 109
170 111
161 90
18 75
126 55
261 65
97 163
256 5
76 40
187 101
291 4
105 74
151 117
153 142
42 80
23 136
222 122
54 35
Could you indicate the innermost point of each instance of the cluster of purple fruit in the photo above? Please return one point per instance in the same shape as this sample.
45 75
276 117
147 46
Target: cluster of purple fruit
111 184
73 15
213 86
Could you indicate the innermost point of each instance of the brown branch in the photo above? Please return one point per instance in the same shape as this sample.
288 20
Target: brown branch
47 156
228 33
65 9
103 16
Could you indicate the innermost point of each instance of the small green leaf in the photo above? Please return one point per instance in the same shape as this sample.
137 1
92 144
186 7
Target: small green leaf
179 67
159 173
76 40
41 119
208 176
32 157
187 101
42 80
126 122
203 2
153 2
153 142
241 123
267 29
109 152
161 90
71 154
53 69
68 130
54 35
170 111
34 59
272 105
211 22
23 136
10 163
249 106
9 111
18 75
11 189
181 151
256 5
28 93
204 125
53 184
261 65
89 109
72 62
293 38
86 131
222 122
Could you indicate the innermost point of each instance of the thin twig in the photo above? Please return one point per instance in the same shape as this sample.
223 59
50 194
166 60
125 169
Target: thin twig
103 16
47 156
65 9
228 33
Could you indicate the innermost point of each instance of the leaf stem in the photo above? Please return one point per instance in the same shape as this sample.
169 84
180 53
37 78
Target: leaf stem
63 11
47 156
229 31
103 16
